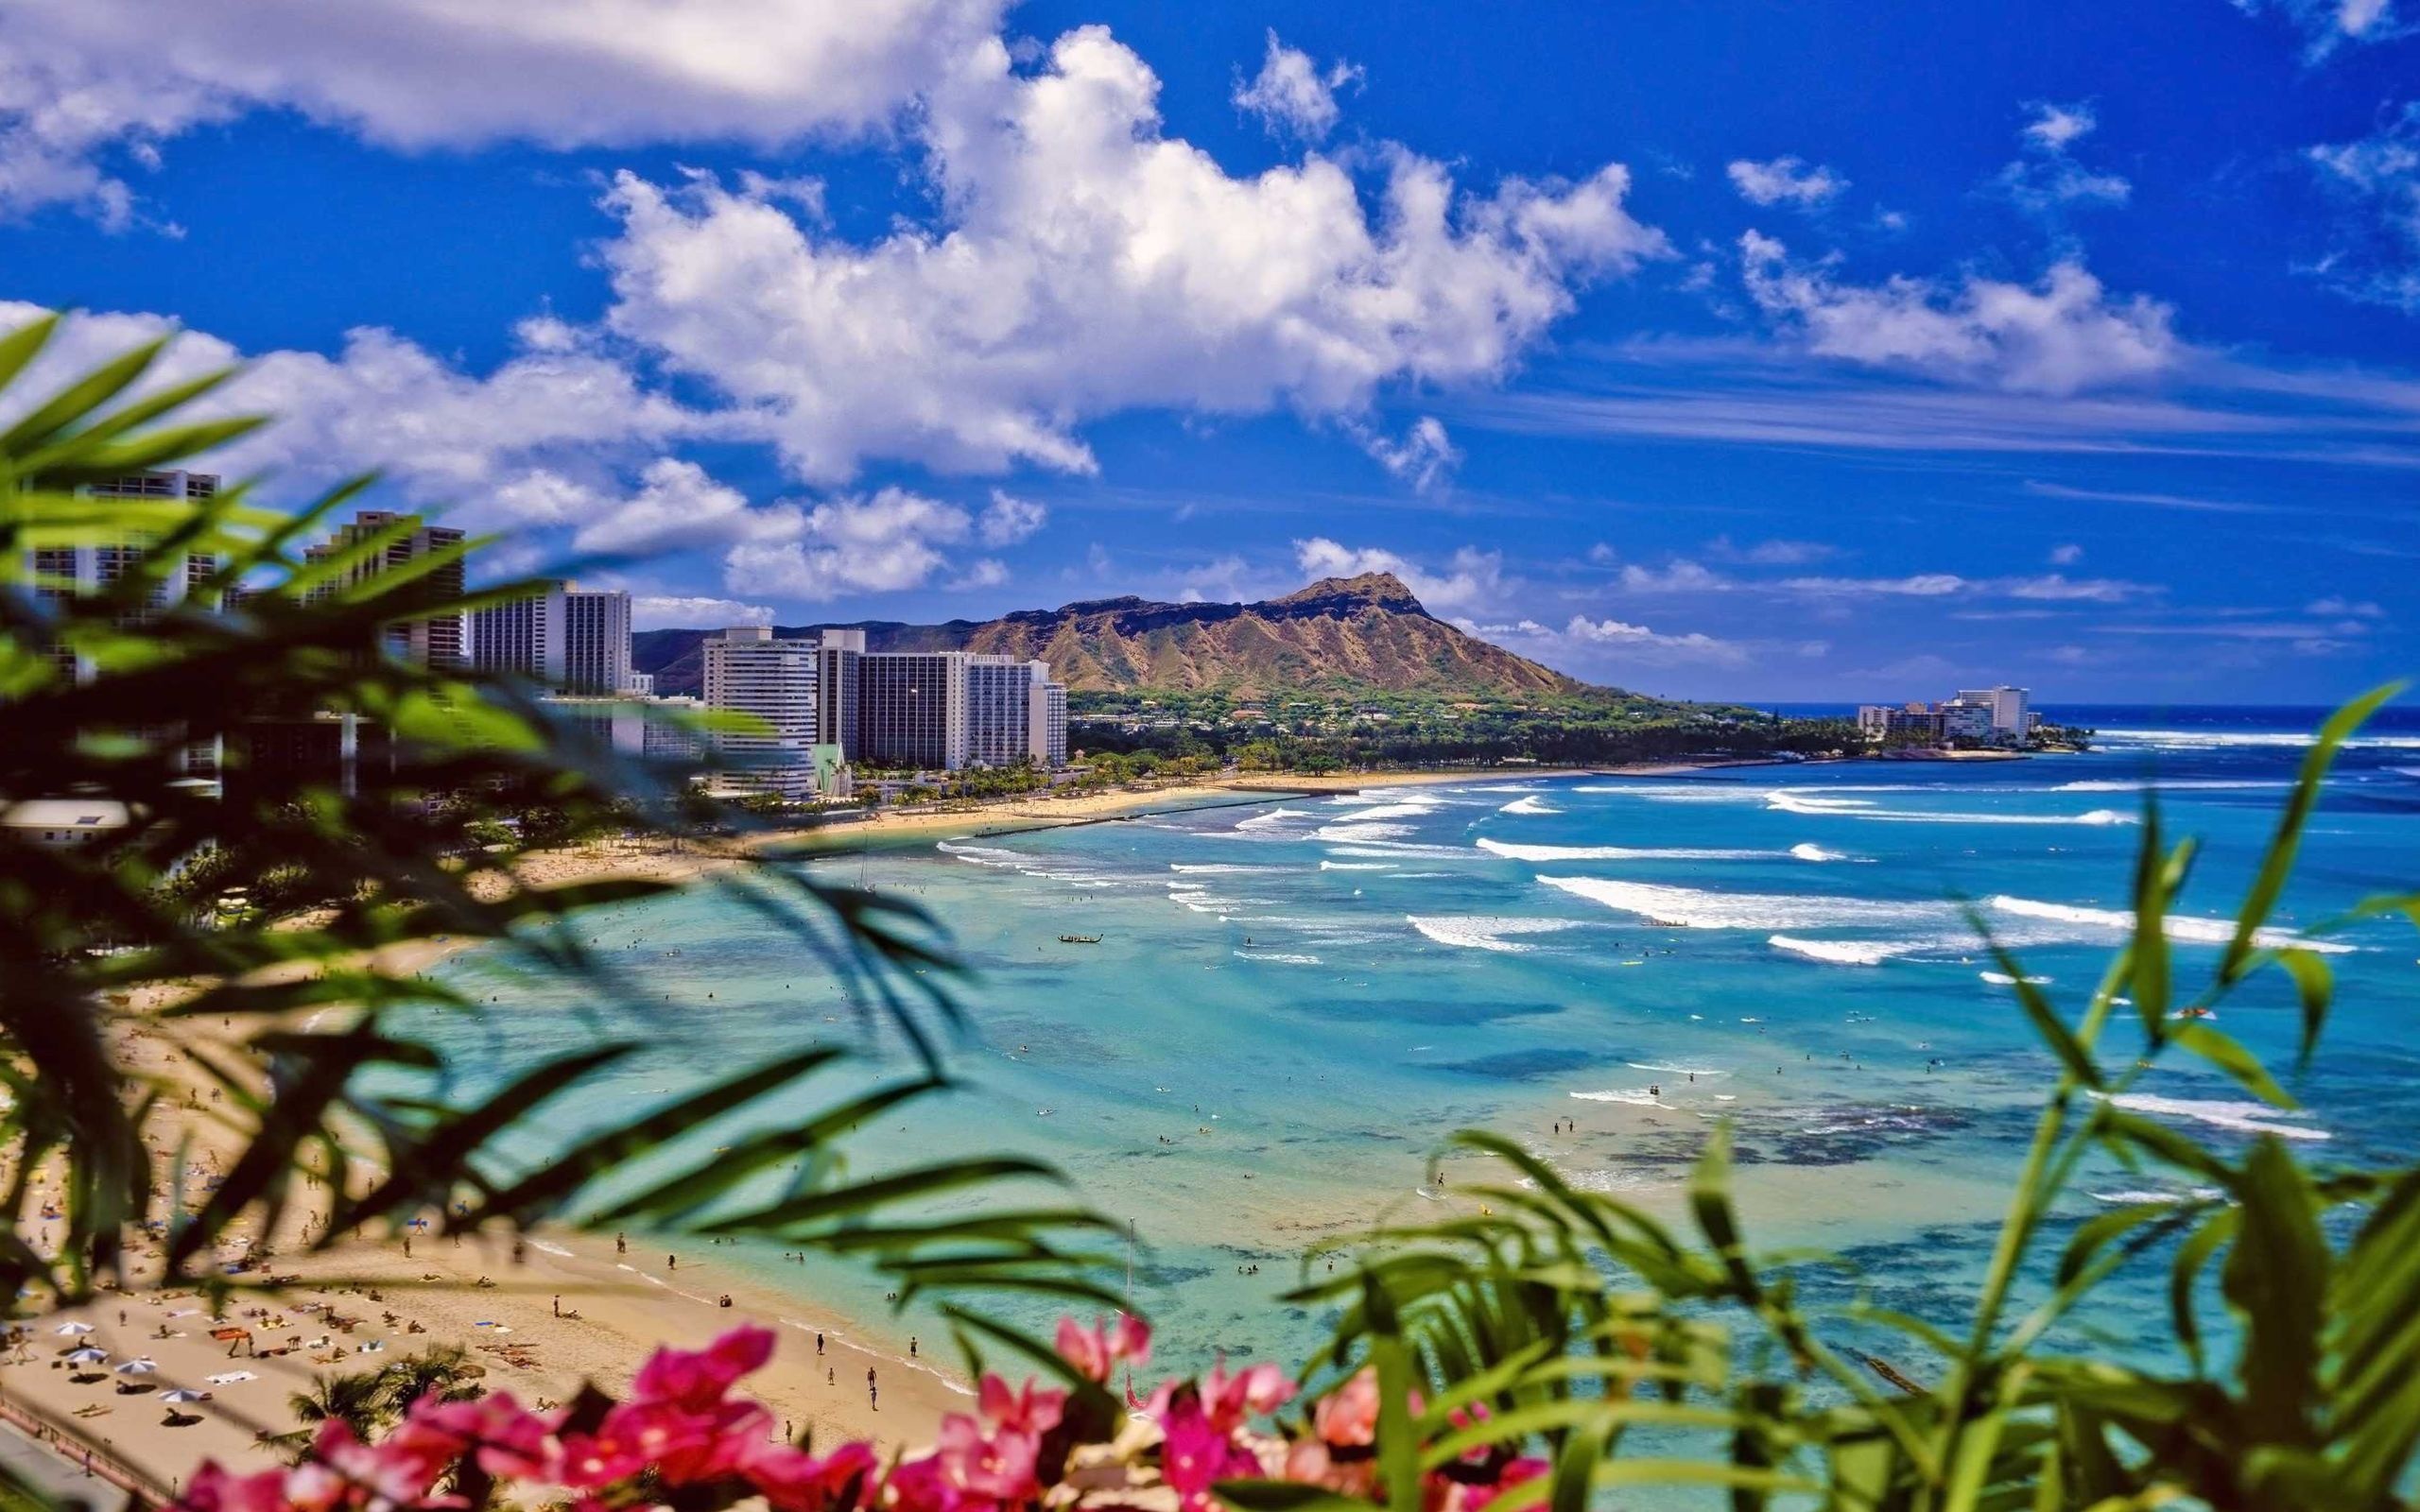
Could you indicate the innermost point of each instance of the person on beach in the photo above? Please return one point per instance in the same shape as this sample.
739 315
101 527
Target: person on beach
819 1344
671 1262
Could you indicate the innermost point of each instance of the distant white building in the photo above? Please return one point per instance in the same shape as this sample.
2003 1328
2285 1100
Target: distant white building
565 637
750 672
63 823
2008 707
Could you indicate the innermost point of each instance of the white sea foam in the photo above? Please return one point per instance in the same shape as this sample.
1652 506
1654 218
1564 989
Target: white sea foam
1818 803
1698 908
1809 850
981 855
2179 926
1221 868
2144 785
1275 816
1638 1096
1679 792
1533 804
1486 932
1359 831
1612 853
1377 810
1844 951
2211 739
1675 1070
1280 957
2132 1197
2003 979
2249 1118
1381 849
1356 866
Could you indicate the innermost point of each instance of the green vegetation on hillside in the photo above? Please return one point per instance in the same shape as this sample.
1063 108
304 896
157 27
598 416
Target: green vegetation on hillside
1305 732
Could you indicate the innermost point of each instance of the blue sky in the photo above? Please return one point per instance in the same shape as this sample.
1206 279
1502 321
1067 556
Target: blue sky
1763 350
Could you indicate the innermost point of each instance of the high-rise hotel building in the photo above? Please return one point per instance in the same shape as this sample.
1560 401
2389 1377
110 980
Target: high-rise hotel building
912 711
750 672
432 641
92 567
900 711
565 637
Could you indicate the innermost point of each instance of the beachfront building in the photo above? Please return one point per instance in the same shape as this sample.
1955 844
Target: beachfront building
837 655
63 823
564 637
432 641
89 568
750 672
1049 735
1004 696
912 711
1972 717
935 710
2008 708
104 566
597 639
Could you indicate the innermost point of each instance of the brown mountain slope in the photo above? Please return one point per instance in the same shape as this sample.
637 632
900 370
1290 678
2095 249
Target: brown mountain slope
1338 635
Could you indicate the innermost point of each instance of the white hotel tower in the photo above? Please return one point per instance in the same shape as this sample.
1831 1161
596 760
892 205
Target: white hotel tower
748 671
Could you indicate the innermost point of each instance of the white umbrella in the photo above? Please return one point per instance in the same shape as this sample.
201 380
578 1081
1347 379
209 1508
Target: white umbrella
137 1367
72 1330
180 1394
88 1357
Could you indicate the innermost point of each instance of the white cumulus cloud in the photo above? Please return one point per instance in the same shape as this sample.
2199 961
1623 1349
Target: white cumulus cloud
1474 577
2058 336
1291 94
1089 264
875 543
1008 519
1785 180
90 86
2377 257
657 611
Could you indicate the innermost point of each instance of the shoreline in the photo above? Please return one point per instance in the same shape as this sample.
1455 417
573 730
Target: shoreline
623 1309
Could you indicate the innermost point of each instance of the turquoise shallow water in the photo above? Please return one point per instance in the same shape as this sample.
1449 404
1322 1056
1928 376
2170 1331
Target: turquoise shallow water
1293 1001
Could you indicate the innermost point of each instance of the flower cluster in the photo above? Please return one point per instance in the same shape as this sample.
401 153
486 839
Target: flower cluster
683 1437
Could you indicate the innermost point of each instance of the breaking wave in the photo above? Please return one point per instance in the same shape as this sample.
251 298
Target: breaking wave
1696 908
2245 1118
1844 951
2178 927
1810 802
1485 932
1532 804
1612 853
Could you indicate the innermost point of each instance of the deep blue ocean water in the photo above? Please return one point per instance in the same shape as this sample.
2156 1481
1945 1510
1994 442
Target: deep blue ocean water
1294 1001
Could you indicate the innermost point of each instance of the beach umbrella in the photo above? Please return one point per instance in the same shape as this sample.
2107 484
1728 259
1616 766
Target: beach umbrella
182 1395
88 1357
72 1330
137 1367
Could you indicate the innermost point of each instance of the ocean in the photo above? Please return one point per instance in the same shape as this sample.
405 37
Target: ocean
1293 1001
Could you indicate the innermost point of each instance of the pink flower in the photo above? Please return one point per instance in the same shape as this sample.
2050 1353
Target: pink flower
1032 1409
1348 1417
1000 1467
795 1481
1195 1453
1094 1350
509 1441
1252 1392
919 1485
214 1490
682 1445
697 1379
402 1474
